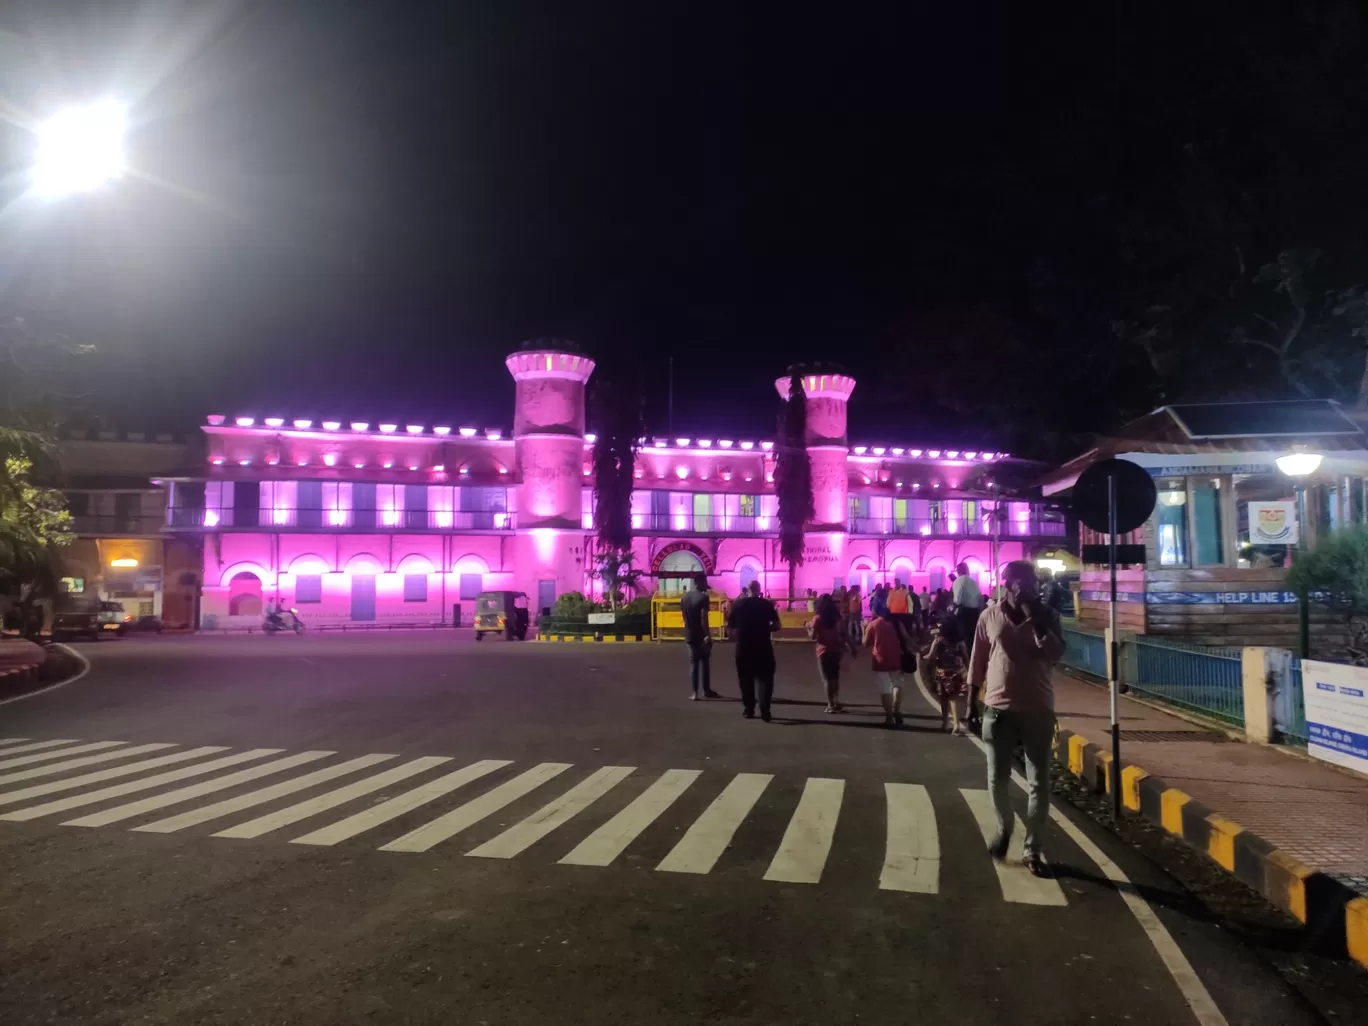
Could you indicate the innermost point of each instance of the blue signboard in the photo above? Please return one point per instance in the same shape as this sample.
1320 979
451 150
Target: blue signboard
1105 596
1221 598
1199 598
1237 468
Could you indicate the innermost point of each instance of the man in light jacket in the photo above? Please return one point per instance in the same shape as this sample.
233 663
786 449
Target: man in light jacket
1016 645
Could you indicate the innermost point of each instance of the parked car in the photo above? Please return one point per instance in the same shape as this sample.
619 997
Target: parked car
145 625
501 612
92 620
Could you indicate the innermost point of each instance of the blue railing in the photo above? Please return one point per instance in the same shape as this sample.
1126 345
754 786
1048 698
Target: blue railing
1289 706
1203 680
1085 651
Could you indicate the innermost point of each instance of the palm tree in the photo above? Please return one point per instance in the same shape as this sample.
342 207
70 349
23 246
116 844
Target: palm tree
616 412
793 479
614 568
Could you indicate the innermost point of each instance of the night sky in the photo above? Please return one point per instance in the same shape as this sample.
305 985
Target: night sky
359 208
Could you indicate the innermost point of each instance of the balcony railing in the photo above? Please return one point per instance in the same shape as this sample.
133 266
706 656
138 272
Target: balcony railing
254 519
115 523
703 523
1032 527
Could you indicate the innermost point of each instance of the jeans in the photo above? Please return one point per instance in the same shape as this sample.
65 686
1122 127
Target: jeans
700 667
1003 730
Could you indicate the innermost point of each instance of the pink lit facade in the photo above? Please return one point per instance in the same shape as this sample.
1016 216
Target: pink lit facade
351 521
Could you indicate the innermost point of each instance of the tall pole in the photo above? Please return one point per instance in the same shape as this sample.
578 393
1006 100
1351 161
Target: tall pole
1115 650
669 401
997 519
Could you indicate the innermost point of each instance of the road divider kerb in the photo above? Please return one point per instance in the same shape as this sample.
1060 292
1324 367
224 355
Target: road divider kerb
595 640
1335 917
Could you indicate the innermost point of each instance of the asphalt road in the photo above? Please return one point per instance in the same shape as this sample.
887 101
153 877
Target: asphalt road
541 886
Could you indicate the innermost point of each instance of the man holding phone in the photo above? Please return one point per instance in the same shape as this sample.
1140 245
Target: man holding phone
1016 644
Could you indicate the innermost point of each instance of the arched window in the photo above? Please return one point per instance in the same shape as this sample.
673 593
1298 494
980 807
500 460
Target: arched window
244 595
748 572
861 575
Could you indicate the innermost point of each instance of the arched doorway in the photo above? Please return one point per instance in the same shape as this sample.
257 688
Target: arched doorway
676 565
244 594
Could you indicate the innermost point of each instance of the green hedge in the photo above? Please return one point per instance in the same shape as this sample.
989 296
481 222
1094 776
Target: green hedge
626 624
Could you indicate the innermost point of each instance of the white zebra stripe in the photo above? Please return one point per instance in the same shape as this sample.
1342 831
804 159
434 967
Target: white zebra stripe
90 760
323 802
38 746
912 850
28 760
38 790
522 836
184 794
130 787
260 797
1018 885
400 804
431 834
803 852
705 841
610 840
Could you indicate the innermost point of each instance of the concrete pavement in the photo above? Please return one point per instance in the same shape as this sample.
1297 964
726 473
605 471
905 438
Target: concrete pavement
413 828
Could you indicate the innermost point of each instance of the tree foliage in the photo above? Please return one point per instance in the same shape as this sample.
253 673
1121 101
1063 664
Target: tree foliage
34 526
616 412
793 478
1338 567
616 569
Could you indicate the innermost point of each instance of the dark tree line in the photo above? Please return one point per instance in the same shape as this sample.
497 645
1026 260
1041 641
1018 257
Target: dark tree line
1183 214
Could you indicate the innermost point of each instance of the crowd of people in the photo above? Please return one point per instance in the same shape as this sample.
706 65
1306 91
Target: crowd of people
987 660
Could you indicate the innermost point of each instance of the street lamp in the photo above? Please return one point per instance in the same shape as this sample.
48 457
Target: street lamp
79 149
1299 466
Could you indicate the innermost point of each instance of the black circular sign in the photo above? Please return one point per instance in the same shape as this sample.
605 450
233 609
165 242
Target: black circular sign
1135 495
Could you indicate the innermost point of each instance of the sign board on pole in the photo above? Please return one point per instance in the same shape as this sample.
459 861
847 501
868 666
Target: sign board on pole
1273 523
1336 713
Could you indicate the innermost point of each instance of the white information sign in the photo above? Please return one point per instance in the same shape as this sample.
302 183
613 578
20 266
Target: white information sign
602 617
1336 713
1273 523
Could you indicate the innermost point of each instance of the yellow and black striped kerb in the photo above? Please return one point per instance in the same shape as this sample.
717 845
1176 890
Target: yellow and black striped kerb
1335 917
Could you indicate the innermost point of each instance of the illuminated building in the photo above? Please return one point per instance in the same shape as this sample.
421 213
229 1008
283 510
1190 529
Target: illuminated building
390 521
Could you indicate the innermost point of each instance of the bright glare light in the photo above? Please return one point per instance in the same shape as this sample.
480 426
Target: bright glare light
1299 464
123 562
79 148
1055 565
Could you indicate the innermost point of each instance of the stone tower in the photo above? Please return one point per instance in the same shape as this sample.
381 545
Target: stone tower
548 434
828 395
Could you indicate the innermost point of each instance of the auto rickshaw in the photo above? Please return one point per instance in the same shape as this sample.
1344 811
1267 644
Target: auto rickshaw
501 612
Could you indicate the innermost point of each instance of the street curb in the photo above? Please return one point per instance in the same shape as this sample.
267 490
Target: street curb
595 639
1335 917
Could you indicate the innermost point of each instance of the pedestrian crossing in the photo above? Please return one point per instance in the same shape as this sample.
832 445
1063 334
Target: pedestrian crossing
320 798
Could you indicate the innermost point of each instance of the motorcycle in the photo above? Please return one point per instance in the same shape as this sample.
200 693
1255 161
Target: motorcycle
282 620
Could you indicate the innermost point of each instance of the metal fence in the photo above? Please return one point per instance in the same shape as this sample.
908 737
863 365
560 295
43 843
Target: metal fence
1203 680
1289 705
1085 651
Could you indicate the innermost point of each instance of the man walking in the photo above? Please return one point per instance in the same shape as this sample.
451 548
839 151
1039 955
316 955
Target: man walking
967 598
695 605
752 622
1016 645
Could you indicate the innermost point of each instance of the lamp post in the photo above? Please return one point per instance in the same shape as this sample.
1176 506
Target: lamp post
1299 466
